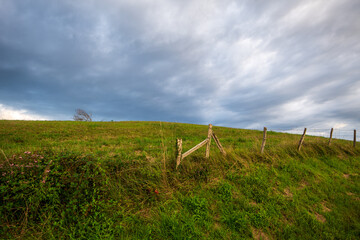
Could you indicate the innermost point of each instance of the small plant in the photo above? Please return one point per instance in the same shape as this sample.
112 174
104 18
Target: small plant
237 221
198 207
224 191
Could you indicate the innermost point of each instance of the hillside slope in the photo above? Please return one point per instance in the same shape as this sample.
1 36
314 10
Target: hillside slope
117 180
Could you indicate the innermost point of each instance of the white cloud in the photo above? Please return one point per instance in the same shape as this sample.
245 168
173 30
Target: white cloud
340 125
8 113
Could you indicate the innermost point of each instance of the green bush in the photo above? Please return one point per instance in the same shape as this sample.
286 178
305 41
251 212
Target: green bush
65 190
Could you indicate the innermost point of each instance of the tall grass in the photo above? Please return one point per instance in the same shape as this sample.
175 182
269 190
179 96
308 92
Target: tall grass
76 180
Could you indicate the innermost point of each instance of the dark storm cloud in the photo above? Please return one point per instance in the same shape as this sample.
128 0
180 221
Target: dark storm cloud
285 64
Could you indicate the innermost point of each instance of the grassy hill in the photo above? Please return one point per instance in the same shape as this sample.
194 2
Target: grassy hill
105 180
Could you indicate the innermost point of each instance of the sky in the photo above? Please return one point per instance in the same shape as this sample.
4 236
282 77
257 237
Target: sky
246 64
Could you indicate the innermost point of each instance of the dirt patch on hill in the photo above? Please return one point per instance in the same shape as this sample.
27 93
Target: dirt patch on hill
324 207
258 234
150 159
147 156
287 193
252 203
353 195
320 217
303 184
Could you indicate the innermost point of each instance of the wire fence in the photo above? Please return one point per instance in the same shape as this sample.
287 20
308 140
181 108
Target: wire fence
346 134
328 134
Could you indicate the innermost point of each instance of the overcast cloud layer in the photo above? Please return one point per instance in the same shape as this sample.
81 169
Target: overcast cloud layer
282 64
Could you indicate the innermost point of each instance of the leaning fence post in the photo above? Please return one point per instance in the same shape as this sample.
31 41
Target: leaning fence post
179 150
207 153
302 139
216 140
331 133
354 137
264 140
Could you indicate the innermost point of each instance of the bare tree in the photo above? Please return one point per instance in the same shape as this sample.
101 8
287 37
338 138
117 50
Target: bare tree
82 115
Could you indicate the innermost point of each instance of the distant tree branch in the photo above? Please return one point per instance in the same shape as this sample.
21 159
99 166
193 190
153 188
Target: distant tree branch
82 115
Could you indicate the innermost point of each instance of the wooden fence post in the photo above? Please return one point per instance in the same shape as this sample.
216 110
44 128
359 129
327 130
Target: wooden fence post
302 139
180 156
218 144
179 150
264 140
354 137
207 153
331 133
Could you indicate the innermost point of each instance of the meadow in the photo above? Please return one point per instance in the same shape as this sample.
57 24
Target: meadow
117 180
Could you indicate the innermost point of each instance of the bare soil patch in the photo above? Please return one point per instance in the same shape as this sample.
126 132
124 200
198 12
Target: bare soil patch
252 203
258 234
303 184
287 193
325 208
320 217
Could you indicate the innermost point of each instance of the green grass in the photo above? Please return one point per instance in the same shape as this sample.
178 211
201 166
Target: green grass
117 180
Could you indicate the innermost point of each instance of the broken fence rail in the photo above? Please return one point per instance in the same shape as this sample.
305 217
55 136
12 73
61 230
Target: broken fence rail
207 141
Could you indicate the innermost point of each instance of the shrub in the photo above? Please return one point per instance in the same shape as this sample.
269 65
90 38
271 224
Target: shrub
65 190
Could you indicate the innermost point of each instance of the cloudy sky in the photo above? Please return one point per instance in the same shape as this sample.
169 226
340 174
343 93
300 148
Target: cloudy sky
281 64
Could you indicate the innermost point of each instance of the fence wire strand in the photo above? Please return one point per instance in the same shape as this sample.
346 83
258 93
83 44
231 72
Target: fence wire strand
345 134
